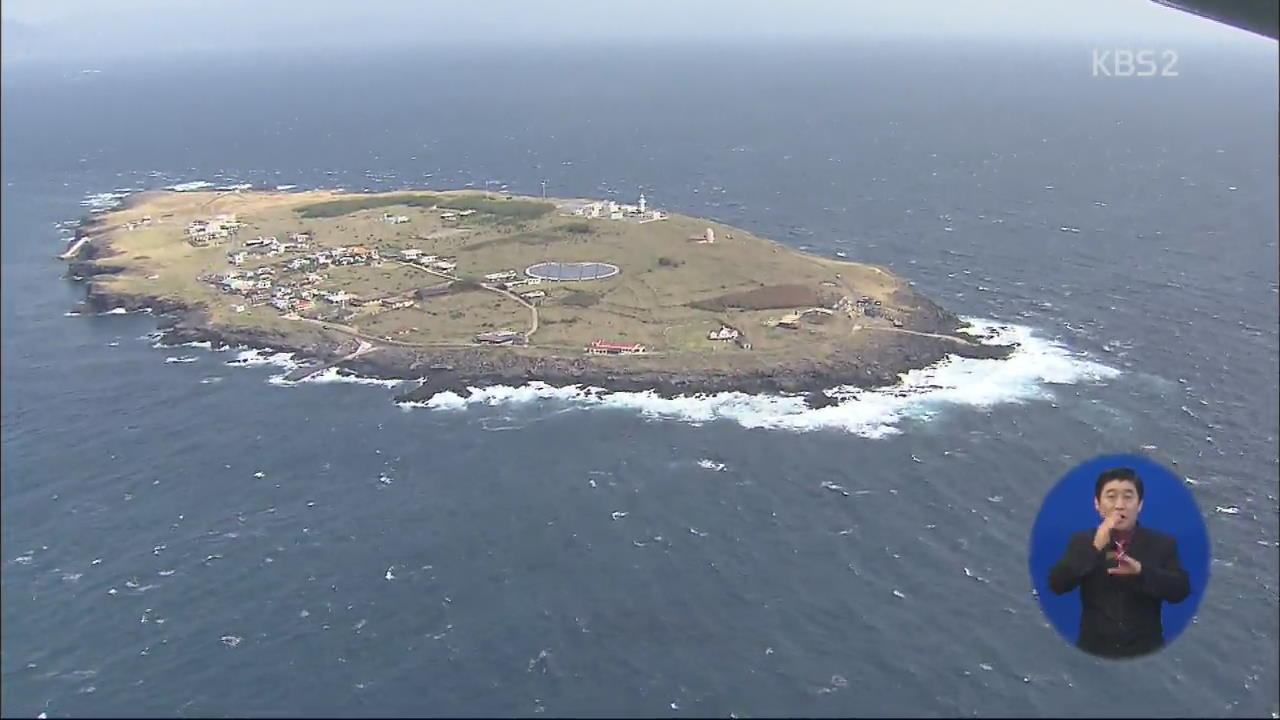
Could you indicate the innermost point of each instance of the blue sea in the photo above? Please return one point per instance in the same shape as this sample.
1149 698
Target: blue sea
206 539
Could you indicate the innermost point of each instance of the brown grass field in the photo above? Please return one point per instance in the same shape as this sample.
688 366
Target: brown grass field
670 293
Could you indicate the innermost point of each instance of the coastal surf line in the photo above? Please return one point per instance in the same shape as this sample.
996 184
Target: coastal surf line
1029 374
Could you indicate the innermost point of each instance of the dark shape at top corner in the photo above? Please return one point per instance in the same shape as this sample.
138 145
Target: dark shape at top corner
1261 17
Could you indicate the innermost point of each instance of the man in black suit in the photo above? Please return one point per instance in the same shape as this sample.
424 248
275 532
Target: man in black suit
1124 571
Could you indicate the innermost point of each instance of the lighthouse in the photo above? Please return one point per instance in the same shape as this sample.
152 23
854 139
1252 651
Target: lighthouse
641 203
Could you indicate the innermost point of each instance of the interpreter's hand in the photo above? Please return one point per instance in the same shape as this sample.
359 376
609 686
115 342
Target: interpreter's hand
1128 566
1103 536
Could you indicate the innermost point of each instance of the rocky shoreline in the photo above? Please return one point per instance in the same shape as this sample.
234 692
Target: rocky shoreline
457 369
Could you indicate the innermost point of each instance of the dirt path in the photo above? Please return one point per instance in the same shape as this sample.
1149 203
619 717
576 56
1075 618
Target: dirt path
533 311
904 331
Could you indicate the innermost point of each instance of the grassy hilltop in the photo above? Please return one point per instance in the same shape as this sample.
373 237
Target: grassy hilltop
669 294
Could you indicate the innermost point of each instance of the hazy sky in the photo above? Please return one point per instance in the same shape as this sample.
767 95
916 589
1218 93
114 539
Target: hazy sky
90 30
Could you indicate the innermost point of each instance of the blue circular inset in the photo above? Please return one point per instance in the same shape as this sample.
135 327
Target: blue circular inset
1167 507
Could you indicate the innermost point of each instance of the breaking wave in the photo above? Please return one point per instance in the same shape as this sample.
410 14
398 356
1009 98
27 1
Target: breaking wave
1027 375
333 375
102 202
189 186
258 358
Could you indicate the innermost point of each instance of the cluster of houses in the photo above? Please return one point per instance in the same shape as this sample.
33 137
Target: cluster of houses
510 280
864 306
270 245
432 262
202 233
614 210
260 286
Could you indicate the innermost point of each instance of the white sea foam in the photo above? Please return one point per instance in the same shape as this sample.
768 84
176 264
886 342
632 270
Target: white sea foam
333 375
101 202
181 359
189 186
115 311
1027 375
255 358
285 187
157 342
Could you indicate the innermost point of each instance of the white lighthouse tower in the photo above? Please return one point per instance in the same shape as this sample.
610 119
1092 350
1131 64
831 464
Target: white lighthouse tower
642 203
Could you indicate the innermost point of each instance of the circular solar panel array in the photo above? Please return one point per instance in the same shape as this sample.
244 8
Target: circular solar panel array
571 271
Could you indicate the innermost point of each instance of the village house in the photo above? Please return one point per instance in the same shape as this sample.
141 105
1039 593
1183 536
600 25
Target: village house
501 276
724 333
602 347
501 337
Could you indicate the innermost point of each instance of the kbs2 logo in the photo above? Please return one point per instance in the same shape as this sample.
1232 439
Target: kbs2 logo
1127 63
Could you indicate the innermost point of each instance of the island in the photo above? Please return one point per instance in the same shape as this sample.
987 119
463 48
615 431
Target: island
468 288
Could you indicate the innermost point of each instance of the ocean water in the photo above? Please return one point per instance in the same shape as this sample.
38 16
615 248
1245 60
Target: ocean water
185 533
